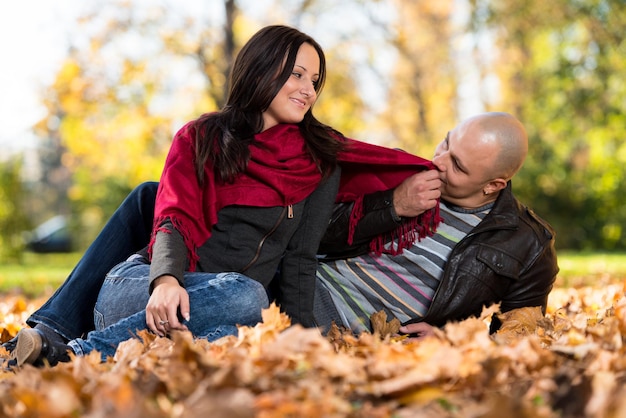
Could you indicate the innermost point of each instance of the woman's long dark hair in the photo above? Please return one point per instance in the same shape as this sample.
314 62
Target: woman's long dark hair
224 137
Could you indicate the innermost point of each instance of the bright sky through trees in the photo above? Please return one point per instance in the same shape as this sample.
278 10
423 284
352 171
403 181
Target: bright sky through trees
33 40
34 37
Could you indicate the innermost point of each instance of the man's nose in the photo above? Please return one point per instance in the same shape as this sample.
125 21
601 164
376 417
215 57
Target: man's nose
438 161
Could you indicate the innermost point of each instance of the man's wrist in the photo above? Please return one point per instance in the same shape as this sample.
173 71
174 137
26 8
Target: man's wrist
392 207
394 214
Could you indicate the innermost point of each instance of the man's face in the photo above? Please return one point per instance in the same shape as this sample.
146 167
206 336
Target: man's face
464 159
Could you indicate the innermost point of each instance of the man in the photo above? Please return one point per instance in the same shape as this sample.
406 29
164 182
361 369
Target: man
489 248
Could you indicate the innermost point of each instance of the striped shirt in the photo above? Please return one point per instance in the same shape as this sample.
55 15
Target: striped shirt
402 285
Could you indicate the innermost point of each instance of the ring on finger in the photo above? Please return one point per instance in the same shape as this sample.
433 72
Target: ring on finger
163 322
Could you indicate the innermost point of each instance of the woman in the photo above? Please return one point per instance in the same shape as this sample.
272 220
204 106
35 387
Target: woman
247 190
244 191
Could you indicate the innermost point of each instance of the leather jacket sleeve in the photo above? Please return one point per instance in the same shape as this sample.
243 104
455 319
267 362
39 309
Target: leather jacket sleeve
379 217
536 281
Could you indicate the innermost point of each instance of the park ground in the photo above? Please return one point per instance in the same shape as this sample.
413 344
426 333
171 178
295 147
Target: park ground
569 362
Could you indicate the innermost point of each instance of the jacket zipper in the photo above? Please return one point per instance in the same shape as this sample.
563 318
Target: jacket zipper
286 209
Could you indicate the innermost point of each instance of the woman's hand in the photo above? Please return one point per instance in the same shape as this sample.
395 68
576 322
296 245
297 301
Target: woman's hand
167 299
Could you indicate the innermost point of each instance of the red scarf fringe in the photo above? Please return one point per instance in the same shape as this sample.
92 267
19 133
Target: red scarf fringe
404 236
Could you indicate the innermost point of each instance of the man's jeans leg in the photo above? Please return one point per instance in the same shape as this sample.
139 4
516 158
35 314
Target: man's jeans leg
69 311
218 302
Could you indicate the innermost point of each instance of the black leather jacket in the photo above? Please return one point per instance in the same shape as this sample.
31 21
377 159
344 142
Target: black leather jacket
508 258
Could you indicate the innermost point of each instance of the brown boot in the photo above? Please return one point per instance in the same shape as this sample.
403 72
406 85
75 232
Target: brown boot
34 348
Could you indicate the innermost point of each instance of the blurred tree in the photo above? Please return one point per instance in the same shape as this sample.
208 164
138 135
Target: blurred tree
119 97
421 105
13 221
117 100
49 185
144 71
562 68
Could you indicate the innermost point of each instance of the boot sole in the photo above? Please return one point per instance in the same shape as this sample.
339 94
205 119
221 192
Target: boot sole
28 347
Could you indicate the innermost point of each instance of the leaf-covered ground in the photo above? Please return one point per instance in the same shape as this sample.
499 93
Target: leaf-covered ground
569 363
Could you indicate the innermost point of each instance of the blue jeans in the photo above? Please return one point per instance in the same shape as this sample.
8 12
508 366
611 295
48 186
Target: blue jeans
218 303
69 311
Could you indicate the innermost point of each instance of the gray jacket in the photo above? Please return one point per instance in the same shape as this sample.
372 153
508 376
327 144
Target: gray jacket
263 244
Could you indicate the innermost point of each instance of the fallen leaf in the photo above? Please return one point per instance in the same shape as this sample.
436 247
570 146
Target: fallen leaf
381 326
518 323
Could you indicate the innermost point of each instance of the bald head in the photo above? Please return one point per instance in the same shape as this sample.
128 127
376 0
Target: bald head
478 158
509 138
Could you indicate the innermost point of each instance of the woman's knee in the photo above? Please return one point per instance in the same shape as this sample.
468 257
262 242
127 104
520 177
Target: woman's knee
251 293
123 293
254 301
146 190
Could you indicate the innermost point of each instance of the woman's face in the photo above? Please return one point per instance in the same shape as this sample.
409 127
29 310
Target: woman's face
298 94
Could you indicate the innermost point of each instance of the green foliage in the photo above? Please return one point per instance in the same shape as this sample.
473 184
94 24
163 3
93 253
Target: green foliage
36 274
41 274
13 221
563 64
590 268
97 206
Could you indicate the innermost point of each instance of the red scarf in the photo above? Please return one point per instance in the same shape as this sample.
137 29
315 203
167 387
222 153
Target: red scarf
280 172
367 168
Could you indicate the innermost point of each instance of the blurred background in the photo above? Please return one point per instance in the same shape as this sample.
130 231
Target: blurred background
91 93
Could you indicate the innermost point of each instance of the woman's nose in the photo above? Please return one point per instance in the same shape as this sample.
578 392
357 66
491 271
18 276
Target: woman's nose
307 88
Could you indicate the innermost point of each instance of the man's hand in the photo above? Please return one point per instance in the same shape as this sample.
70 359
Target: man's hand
417 194
417 331
167 299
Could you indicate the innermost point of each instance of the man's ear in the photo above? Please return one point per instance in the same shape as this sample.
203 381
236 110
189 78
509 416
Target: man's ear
495 186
